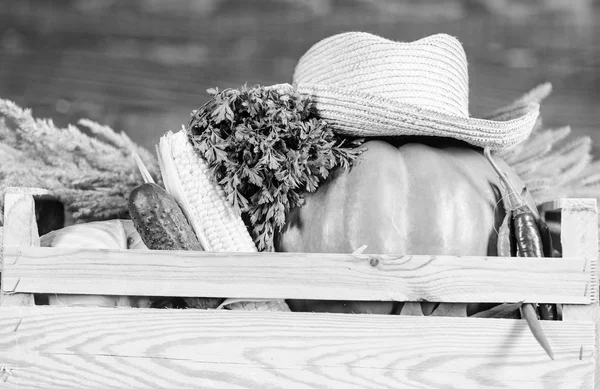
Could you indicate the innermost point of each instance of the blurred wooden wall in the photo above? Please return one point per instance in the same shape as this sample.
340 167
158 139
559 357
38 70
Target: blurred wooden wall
141 66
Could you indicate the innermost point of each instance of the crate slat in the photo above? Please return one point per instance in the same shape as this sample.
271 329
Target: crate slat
579 236
74 347
55 347
298 275
21 230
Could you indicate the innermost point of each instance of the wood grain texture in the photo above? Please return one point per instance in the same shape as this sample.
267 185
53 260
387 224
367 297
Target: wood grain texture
19 216
579 236
298 275
50 347
20 231
588 206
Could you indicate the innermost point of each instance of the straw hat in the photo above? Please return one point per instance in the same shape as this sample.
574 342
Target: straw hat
365 85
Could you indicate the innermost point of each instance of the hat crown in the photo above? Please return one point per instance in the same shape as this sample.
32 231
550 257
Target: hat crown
429 73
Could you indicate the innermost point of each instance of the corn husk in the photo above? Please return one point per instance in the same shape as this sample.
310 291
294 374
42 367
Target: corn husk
254 305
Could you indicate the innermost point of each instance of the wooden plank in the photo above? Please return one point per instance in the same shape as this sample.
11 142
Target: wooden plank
579 237
53 347
19 220
299 275
566 204
20 230
143 373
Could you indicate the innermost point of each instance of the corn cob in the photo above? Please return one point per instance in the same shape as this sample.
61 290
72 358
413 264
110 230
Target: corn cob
188 179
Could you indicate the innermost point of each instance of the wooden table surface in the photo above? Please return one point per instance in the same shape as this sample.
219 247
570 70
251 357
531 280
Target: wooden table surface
141 66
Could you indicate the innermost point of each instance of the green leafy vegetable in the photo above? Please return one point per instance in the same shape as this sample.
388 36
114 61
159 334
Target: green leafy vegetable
267 148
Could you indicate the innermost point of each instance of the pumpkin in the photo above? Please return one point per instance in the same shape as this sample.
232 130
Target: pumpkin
438 198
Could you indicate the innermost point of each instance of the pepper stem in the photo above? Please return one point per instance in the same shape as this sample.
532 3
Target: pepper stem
515 202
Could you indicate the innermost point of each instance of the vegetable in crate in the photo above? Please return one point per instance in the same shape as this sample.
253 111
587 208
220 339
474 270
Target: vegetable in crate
214 221
108 234
530 233
163 226
522 224
159 219
255 150
436 198
424 187
187 178
266 149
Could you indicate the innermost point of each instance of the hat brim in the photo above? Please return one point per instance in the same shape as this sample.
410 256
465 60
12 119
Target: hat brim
361 114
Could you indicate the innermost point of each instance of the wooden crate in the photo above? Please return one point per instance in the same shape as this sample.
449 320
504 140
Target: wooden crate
84 347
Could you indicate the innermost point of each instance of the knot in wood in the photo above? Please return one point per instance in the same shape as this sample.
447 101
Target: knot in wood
374 262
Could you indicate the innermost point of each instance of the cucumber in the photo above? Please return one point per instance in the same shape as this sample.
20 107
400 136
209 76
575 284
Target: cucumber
162 225
159 220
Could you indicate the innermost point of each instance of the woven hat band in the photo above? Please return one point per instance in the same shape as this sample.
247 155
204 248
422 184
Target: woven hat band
430 73
364 115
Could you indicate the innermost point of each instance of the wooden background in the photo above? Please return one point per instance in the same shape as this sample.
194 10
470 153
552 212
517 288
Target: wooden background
142 65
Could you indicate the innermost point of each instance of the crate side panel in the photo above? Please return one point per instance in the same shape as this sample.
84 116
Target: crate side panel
298 275
20 230
579 237
108 372
124 347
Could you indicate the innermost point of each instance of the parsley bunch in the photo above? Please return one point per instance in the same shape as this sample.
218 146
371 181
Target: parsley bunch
266 148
